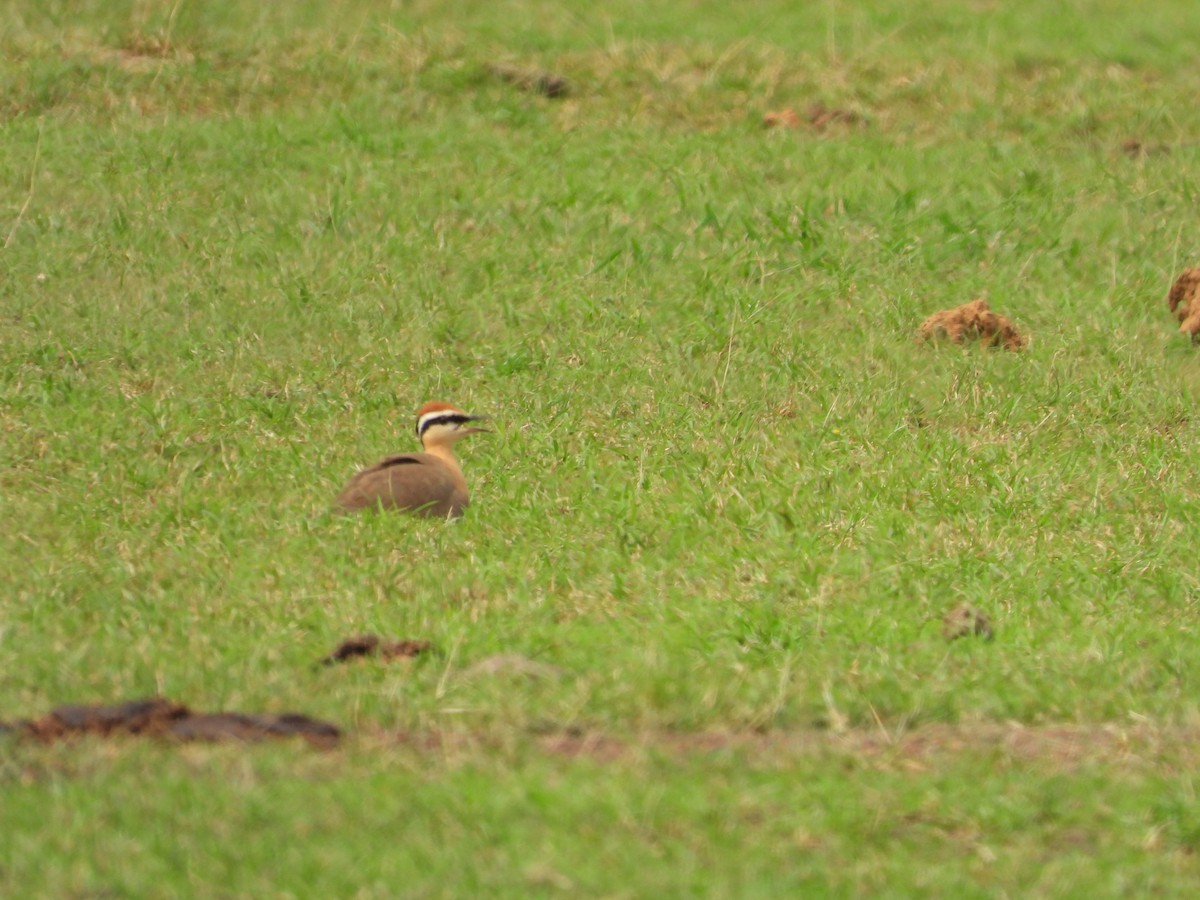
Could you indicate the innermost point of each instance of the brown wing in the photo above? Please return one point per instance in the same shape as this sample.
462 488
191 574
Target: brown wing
415 482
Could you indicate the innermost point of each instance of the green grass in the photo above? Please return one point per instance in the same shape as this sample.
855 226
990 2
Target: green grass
727 492
376 821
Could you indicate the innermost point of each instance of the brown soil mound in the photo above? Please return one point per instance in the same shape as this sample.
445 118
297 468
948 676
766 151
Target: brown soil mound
153 716
240 727
372 645
1184 301
972 321
159 717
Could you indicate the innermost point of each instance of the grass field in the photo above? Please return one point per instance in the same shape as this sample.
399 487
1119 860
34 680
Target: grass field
728 498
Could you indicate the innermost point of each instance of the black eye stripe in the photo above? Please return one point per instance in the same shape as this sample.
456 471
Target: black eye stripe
447 419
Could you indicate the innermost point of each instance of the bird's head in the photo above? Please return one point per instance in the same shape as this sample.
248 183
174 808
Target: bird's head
443 424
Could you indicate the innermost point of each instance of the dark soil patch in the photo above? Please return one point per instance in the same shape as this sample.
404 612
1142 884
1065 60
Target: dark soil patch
366 645
535 82
153 716
162 718
1184 300
238 726
972 321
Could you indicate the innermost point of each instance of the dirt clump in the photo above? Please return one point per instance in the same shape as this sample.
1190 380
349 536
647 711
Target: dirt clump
162 718
547 84
1184 300
227 726
365 645
972 321
966 621
153 716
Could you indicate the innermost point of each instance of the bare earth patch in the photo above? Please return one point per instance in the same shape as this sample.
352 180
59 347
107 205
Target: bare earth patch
972 321
162 718
1184 300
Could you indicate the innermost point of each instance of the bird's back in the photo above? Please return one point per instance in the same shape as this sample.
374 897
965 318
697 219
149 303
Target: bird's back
416 482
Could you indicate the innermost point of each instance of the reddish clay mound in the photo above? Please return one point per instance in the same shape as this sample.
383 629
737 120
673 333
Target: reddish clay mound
972 321
162 718
1184 301
372 645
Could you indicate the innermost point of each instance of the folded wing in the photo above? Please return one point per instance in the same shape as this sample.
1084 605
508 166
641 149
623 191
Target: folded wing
415 482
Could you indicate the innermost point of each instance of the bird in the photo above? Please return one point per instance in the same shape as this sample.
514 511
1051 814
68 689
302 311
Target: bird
429 483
